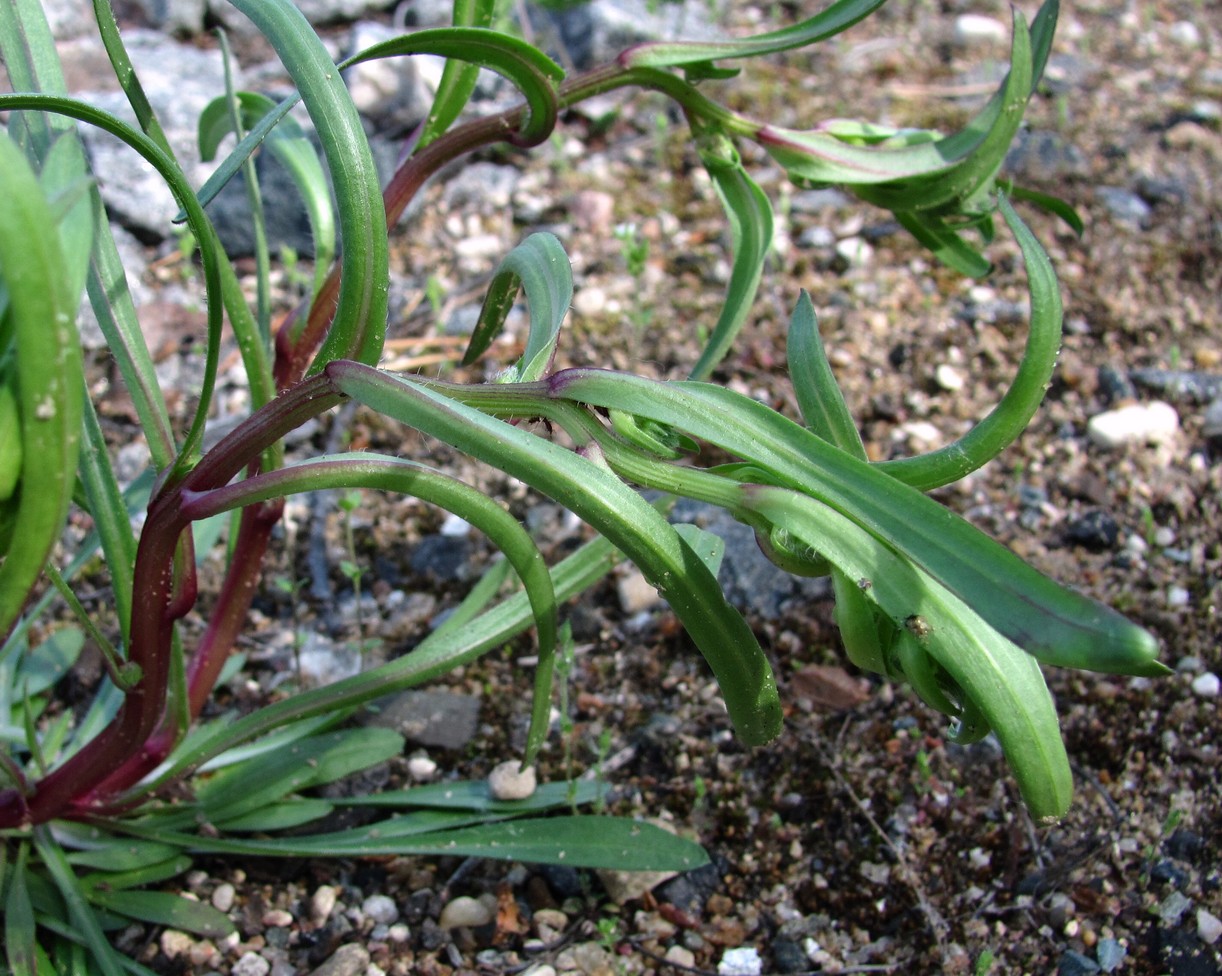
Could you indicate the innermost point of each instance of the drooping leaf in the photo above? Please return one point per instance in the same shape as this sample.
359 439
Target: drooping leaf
164 908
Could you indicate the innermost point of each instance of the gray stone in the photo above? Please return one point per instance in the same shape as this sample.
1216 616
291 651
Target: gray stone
1110 954
508 781
69 18
381 908
184 17
486 187
464 912
180 80
1124 205
592 33
1044 155
1212 425
443 719
749 580
393 93
348 960
1076 964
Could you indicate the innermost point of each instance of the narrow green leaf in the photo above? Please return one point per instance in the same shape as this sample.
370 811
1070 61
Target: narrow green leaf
814 384
945 243
359 328
749 213
458 78
163 908
576 841
118 854
48 371
293 812
837 18
475 797
139 877
20 946
541 268
85 922
1006 421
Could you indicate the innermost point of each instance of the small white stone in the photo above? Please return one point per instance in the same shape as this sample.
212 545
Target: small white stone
1177 596
381 908
322 903
251 964
636 593
542 969
681 956
1209 926
856 251
223 896
948 378
977 29
509 781
464 912
1185 33
455 527
421 767
1137 423
1164 536
398 933
175 943
1206 685
740 962
277 918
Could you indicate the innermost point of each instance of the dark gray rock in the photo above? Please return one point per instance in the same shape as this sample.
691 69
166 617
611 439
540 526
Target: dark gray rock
1076 964
182 17
429 718
750 581
788 957
1191 386
1115 385
1096 530
1181 953
442 557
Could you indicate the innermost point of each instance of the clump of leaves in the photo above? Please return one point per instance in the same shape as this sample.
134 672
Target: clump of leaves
922 596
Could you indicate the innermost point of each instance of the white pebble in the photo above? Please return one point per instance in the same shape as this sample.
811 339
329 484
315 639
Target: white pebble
681 956
509 781
277 918
251 964
322 903
223 896
1137 423
1177 596
421 767
976 28
1209 926
1206 685
636 593
464 912
1185 33
855 251
381 908
175 943
948 378
740 962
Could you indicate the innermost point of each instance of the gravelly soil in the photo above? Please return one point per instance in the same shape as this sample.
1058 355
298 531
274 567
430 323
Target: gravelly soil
862 841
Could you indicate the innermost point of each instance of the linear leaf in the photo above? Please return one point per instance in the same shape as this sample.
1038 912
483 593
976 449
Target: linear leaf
163 908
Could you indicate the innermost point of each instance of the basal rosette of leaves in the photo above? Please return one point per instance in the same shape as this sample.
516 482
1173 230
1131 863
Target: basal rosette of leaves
922 597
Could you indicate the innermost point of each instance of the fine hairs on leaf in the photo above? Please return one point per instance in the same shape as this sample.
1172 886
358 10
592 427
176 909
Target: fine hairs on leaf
111 792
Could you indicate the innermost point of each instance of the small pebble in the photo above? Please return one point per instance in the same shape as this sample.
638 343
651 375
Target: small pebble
1185 33
1137 423
678 955
421 768
636 593
948 378
855 251
174 943
543 969
1177 596
1172 907
740 962
277 918
977 28
464 912
1206 685
223 897
251 964
381 908
322 903
1209 926
509 781
348 960
1110 954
